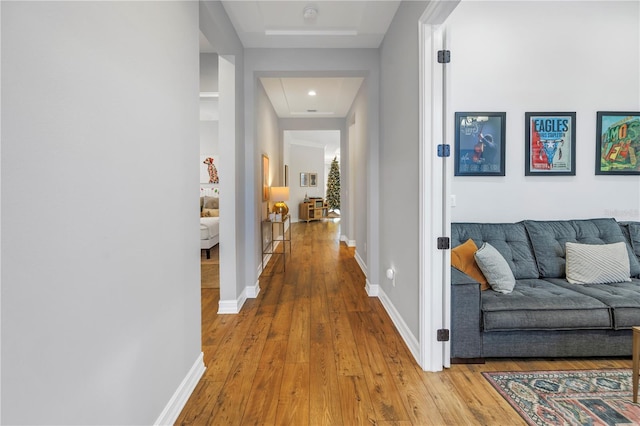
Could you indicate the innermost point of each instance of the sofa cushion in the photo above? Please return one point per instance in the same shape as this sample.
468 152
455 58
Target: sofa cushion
510 239
631 231
495 268
548 239
462 258
536 304
597 263
623 299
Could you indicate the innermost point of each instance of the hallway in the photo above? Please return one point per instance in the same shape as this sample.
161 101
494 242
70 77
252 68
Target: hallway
314 349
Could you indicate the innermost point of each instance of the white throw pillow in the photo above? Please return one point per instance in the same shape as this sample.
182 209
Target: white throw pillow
495 268
597 263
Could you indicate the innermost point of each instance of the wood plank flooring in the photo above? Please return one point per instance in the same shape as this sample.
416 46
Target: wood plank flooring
314 349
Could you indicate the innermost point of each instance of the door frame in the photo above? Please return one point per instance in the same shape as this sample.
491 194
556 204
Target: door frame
434 205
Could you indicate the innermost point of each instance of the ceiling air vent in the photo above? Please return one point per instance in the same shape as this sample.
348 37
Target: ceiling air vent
312 110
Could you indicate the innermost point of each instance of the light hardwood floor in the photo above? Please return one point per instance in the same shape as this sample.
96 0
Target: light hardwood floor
313 349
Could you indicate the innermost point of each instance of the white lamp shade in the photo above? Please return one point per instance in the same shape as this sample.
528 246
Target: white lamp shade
279 193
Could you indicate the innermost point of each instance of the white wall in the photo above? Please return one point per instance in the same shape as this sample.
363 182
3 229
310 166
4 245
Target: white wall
304 159
216 26
101 311
208 72
399 154
269 145
357 176
545 56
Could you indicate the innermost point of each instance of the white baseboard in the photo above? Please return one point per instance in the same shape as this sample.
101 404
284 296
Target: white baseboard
408 337
347 241
180 397
252 291
373 290
361 263
232 306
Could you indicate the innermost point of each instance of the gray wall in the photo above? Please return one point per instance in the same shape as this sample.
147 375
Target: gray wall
100 255
399 156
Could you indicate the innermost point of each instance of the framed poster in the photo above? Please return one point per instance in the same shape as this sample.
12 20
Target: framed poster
617 143
304 179
550 139
208 169
480 144
313 179
265 178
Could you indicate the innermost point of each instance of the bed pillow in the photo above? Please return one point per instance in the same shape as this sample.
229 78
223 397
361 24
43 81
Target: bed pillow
210 203
597 263
210 213
495 268
463 260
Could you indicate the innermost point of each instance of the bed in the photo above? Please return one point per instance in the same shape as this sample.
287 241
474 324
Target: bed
209 233
209 223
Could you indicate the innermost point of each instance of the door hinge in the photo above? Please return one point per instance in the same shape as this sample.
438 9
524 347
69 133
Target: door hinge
444 56
443 335
443 243
444 150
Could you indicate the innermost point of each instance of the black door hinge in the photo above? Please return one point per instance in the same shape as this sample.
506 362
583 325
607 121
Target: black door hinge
444 150
443 335
443 243
444 56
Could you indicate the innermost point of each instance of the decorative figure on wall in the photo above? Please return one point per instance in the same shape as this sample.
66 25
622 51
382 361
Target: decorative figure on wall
211 168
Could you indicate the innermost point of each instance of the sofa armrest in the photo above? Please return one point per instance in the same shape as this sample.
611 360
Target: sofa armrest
466 338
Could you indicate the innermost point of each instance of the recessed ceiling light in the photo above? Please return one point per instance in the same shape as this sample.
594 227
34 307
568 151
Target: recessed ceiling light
312 93
309 13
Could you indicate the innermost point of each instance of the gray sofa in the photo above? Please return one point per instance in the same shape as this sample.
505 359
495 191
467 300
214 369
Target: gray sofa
545 315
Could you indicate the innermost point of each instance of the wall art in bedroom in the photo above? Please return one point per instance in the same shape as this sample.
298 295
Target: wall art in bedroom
208 169
550 139
617 143
480 144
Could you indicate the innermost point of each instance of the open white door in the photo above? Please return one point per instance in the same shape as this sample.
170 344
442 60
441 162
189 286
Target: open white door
435 222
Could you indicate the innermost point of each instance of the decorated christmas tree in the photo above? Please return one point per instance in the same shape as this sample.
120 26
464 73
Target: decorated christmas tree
333 186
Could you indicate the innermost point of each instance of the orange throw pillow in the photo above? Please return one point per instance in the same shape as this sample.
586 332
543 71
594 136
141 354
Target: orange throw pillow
463 260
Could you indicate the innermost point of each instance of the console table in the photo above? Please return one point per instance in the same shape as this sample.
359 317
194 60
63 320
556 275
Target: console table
276 239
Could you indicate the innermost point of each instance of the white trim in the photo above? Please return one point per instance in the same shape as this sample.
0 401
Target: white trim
351 243
432 355
373 290
343 238
232 306
180 397
408 337
252 291
360 263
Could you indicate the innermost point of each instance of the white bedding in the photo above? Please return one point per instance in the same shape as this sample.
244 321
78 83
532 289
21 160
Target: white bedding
209 227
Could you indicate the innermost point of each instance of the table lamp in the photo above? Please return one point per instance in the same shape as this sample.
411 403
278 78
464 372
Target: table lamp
280 194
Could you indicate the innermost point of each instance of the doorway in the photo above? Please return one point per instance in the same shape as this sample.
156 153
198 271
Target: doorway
309 152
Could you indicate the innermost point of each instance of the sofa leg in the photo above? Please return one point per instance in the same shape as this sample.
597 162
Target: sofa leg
467 360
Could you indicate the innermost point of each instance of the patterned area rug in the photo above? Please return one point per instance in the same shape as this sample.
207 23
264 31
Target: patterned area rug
580 397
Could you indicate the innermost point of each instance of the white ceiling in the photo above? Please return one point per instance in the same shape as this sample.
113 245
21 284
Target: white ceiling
290 96
337 24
